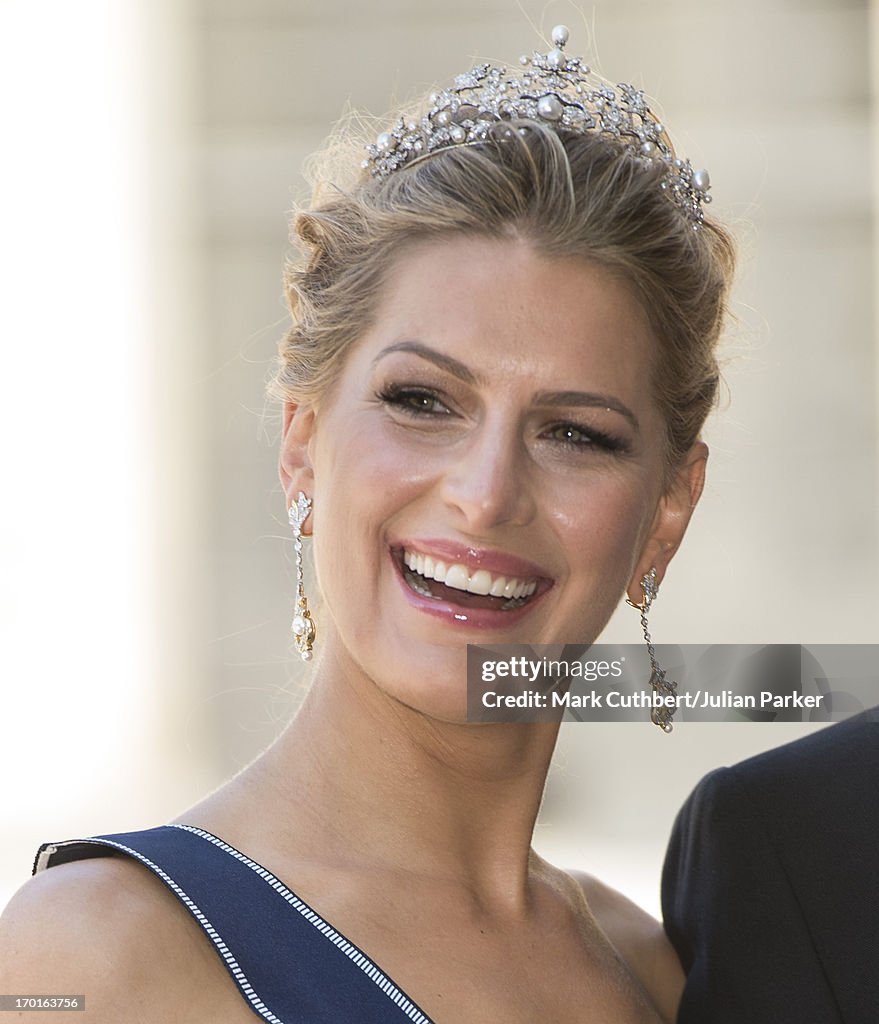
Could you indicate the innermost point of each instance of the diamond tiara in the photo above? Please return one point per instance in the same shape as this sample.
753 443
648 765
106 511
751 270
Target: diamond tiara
552 89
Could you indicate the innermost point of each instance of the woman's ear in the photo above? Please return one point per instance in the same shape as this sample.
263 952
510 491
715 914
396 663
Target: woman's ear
294 463
671 520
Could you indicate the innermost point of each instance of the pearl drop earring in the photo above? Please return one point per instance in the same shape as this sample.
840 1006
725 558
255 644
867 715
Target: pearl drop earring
303 626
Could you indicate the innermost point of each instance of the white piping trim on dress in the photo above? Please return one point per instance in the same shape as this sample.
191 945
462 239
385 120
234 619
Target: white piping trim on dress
369 968
231 962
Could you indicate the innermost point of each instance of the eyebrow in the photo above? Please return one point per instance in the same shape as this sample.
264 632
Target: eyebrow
444 362
587 400
580 399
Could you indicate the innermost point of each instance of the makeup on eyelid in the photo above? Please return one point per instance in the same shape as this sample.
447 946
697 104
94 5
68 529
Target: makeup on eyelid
414 401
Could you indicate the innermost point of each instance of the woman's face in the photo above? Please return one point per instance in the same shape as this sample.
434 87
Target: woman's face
488 468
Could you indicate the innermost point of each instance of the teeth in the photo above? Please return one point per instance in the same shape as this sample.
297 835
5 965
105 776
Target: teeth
459 577
480 582
418 585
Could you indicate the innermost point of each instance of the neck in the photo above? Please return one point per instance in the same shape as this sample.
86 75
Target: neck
381 784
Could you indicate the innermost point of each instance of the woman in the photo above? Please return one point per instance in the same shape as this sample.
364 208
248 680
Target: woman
500 362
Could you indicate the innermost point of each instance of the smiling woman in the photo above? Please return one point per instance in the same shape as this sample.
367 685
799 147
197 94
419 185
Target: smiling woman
500 361
516 442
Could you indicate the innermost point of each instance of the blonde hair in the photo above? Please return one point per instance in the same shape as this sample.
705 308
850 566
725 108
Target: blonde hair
569 195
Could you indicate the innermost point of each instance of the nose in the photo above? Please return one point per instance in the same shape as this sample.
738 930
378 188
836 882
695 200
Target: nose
489 483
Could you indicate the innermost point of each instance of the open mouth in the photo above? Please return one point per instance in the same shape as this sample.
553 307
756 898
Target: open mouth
456 583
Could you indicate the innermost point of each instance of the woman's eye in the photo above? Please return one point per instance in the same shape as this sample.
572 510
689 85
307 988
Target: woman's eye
570 435
580 438
414 401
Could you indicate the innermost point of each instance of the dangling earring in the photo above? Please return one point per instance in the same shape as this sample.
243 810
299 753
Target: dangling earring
661 716
303 626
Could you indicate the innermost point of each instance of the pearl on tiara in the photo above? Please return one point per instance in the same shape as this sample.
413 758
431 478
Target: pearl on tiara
552 89
560 35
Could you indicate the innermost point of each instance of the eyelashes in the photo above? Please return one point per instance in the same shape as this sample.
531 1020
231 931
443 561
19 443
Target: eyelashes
576 437
414 401
420 403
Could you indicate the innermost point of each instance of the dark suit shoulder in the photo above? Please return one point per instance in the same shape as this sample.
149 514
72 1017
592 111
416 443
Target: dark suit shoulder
856 737
768 885
830 774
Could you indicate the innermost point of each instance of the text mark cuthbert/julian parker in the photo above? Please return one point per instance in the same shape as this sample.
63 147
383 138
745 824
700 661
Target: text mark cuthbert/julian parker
703 683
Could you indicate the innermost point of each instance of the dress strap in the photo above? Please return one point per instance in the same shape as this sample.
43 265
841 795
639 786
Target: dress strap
290 966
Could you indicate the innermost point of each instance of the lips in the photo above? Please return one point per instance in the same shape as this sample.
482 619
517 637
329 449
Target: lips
469 578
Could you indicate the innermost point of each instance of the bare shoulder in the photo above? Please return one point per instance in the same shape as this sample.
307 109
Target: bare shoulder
108 929
640 939
72 901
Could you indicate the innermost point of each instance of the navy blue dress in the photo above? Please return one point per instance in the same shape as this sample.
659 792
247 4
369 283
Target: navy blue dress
290 965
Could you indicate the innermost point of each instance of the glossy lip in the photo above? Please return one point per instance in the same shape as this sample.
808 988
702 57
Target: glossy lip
496 562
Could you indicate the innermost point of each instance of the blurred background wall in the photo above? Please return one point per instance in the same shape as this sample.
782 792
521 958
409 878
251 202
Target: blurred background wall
152 151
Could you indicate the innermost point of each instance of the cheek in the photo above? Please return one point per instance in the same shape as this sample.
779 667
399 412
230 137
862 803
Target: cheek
603 542
368 469
362 478
603 529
